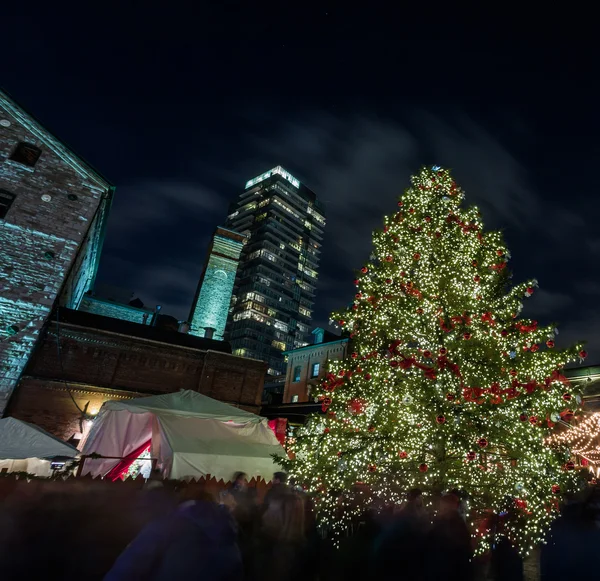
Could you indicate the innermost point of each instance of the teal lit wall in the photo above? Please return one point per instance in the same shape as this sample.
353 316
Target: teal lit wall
213 297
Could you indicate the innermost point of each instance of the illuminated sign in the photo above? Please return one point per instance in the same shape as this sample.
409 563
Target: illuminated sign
276 170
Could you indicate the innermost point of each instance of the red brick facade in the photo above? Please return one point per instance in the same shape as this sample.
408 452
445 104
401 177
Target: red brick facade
51 224
96 365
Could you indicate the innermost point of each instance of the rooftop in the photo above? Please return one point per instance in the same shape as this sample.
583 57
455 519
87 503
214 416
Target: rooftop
127 328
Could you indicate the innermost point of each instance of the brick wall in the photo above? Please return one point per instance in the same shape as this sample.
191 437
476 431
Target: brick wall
305 358
40 238
96 365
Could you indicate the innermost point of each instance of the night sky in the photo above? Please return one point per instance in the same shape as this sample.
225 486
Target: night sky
178 107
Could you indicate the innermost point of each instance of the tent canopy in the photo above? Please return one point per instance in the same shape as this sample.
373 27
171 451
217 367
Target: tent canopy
21 440
185 403
191 435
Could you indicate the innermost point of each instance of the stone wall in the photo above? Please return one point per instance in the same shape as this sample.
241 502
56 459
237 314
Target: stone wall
56 201
116 310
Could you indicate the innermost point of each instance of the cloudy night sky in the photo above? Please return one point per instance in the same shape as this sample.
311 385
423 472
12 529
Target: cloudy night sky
179 104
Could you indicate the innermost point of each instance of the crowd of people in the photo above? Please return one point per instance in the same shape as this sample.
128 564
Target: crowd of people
233 537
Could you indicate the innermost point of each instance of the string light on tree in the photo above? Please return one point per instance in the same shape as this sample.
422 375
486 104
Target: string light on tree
438 392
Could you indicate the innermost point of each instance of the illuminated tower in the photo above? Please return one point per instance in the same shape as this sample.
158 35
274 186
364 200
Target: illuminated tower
277 277
208 316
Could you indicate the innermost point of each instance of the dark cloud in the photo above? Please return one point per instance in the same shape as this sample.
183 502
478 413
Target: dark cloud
358 165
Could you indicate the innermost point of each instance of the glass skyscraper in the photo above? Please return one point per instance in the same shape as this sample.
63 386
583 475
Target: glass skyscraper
276 280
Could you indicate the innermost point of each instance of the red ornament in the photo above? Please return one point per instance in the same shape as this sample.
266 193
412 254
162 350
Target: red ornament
450 396
569 466
533 420
438 234
358 295
372 468
400 204
467 336
585 462
354 355
529 290
402 455
411 210
356 281
549 343
555 489
342 322
504 332
583 354
394 363
419 311
534 347
367 376
443 351
326 431
427 218
357 406
513 372
389 258
423 467
388 281
474 263
523 417
499 252
482 443
476 278
567 396
371 429
359 370
440 419
525 348
427 354
416 256
364 270
471 456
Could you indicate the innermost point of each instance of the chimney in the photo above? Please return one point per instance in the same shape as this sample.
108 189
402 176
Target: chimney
208 332
184 327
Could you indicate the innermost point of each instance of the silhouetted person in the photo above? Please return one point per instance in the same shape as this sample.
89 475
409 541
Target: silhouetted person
399 550
281 550
196 542
278 487
448 544
574 537
507 564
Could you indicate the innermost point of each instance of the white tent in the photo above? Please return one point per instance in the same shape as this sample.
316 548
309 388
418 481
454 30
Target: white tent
25 447
191 435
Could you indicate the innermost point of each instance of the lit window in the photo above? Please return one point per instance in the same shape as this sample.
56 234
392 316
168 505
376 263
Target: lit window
295 399
26 153
297 373
6 200
315 369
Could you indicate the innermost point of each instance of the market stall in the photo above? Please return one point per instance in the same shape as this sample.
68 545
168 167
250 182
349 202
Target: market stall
189 434
25 447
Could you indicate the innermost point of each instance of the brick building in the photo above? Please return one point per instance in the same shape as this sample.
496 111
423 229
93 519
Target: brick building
53 210
306 366
133 311
83 360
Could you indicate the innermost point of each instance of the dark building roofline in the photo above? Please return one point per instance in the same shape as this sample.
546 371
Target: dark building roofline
101 323
5 96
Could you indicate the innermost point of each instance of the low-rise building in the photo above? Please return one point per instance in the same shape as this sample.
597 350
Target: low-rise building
83 360
306 366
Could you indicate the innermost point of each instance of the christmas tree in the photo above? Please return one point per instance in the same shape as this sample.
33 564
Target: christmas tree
445 387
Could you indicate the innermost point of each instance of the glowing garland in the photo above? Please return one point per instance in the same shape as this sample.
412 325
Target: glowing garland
445 388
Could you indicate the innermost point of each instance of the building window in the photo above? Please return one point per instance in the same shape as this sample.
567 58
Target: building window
295 399
26 153
315 369
297 373
6 200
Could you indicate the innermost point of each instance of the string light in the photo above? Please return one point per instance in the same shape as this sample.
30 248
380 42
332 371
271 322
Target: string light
581 439
445 387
